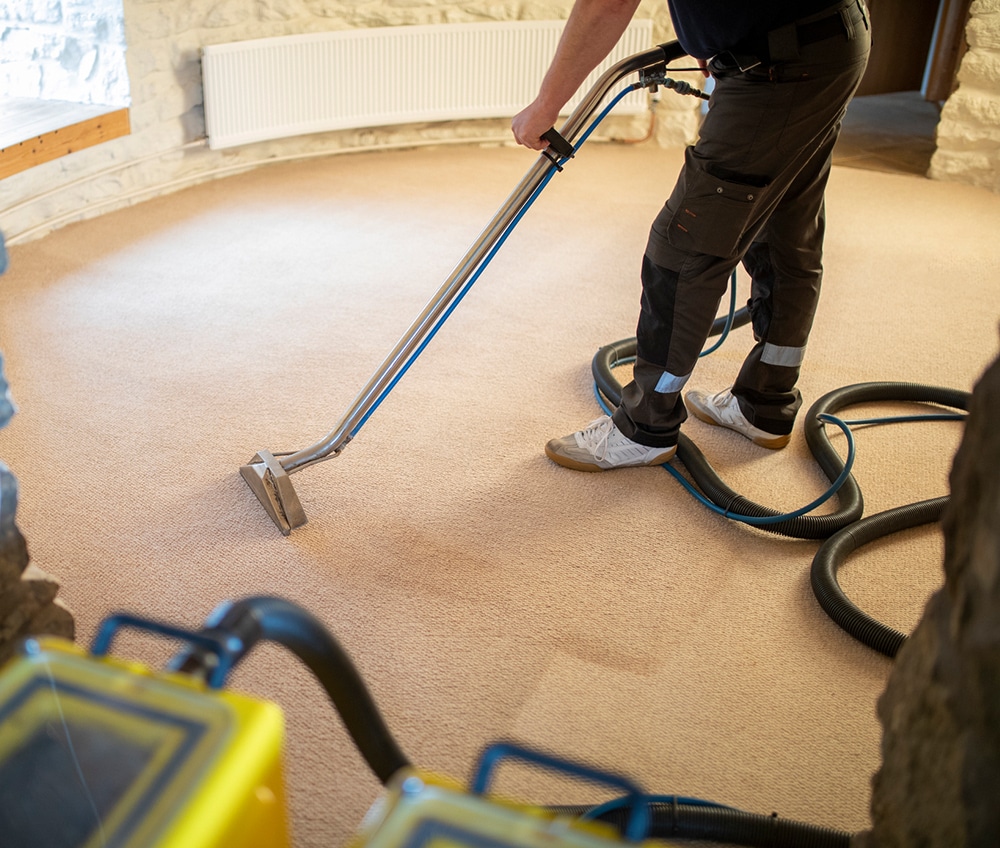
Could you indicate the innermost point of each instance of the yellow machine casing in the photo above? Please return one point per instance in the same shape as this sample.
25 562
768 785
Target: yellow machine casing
101 752
420 810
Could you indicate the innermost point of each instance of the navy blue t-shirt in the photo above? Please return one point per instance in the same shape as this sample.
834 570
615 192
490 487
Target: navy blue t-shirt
707 27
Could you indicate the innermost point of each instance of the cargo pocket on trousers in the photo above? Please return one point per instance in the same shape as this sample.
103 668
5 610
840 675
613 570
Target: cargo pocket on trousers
712 215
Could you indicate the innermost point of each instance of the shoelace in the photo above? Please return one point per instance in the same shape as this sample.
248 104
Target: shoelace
595 436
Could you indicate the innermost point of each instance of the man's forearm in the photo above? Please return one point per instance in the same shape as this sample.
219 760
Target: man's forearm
592 30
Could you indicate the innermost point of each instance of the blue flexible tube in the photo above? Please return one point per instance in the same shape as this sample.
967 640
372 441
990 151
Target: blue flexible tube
826 418
767 519
730 317
902 419
777 519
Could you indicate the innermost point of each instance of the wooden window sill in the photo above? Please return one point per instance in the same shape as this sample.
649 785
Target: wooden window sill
37 131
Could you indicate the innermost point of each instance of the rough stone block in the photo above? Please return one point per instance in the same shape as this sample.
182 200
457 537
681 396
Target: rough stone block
982 170
143 61
983 32
41 12
55 619
281 10
151 25
408 4
511 12
940 773
17 604
984 7
981 69
41 586
13 558
970 112
228 13
23 45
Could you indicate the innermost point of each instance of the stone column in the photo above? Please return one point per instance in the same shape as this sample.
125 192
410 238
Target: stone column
939 783
968 135
28 603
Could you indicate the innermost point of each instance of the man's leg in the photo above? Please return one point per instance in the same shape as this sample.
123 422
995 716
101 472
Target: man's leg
786 268
785 258
731 181
677 311
762 130
696 241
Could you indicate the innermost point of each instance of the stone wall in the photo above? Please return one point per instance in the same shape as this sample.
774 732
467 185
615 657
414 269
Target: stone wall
166 150
940 712
28 602
64 50
968 136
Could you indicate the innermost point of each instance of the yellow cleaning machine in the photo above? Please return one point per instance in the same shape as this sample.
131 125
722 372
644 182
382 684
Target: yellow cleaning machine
98 752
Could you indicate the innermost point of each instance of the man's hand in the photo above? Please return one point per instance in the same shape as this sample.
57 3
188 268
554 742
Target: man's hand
592 30
529 124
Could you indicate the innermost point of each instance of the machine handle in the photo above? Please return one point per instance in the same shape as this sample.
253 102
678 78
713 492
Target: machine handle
557 143
638 824
223 648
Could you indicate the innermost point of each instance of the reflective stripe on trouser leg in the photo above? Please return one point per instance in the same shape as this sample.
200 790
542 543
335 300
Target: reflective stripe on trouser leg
678 309
786 269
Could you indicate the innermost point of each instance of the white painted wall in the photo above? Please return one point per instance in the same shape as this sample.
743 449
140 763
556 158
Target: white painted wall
166 149
968 135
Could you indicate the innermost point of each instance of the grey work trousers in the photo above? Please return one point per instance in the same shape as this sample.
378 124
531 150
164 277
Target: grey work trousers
751 190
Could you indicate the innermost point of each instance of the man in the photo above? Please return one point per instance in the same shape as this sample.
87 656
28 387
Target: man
751 191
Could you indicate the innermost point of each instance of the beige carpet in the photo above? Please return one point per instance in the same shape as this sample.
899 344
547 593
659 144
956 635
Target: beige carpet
483 592
893 132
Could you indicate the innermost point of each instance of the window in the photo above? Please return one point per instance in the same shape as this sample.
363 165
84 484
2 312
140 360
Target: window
62 67
70 50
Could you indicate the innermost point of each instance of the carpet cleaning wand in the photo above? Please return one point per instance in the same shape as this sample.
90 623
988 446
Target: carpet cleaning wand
267 473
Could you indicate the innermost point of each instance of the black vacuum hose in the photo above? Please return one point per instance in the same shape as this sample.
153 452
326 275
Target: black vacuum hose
850 500
611 355
252 620
725 825
840 546
276 620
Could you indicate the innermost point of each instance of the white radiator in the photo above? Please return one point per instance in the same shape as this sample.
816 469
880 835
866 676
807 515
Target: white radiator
278 87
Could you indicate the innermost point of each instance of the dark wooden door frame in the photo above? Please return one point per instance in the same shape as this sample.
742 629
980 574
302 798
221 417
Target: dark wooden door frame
947 50
916 46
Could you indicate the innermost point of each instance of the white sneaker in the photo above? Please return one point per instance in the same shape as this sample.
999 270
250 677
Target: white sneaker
601 446
724 410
